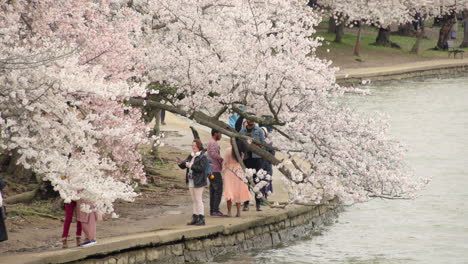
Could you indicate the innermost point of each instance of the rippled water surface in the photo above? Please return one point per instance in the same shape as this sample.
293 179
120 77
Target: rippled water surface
431 118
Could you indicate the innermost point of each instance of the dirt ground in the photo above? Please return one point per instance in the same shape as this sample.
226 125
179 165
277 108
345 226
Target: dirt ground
167 196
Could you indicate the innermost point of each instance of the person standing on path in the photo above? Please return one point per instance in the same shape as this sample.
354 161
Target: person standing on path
235 184
253 160
70 209
3 230
196 164
268 167
88 222
216 180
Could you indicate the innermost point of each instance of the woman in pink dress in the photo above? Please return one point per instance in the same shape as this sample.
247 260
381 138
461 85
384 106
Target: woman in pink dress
235 187
88 222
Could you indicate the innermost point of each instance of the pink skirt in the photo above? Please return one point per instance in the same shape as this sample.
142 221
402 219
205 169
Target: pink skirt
234 187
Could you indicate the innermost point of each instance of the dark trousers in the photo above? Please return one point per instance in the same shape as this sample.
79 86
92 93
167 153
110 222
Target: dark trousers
216 191
163 115
3 230
257 165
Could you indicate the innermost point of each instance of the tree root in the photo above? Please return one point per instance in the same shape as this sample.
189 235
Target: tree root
25 197
24 212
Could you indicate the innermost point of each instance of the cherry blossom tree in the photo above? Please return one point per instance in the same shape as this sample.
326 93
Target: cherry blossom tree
446 10
221 55
368 12
64 70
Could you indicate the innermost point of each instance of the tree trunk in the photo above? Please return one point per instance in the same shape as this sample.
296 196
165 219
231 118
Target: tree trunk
419 36
465 30
340 32
208 121
383 39
406 29
417 44
447 23
156 132
332 25
357 46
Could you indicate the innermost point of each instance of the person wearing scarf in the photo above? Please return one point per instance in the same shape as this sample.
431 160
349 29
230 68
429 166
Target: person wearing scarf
195 177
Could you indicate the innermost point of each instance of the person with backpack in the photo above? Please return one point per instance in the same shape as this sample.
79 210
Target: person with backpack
216 180
196 165
253 160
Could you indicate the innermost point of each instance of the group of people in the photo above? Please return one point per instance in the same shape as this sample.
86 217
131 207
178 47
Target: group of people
85 222
225 176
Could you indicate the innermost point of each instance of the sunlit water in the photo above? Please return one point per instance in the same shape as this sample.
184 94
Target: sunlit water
431 118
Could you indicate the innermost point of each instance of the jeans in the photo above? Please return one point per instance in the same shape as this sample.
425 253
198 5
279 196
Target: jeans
216 192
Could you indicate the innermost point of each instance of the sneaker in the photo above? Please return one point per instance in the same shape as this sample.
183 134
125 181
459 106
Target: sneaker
89 243
217 214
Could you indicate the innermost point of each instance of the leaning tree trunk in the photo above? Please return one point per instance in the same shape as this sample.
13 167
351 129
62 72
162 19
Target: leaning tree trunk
357 46
447 23
465 30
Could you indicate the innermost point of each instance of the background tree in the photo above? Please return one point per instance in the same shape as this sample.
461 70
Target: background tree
64 67
265 60
369 12
465 29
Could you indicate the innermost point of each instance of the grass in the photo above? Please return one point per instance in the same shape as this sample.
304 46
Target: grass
406 44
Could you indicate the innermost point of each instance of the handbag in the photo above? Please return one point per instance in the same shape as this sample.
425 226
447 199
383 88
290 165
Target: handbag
3 214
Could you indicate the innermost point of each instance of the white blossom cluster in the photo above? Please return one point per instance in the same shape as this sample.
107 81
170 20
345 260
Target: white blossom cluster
260 54
54 54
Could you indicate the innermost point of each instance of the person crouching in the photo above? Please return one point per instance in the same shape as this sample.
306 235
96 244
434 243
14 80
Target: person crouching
196 164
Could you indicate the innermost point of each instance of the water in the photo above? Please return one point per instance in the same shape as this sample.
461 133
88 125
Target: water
431 118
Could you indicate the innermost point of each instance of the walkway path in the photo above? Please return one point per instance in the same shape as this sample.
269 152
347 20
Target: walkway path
165 226
171 225
399 71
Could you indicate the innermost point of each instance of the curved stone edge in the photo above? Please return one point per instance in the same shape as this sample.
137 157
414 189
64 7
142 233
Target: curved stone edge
201 244
399 72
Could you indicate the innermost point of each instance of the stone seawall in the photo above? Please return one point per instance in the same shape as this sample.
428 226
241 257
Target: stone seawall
205 243
427 69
